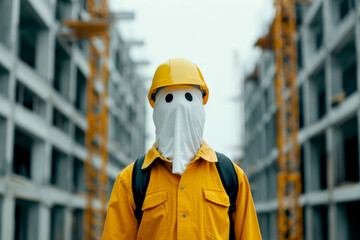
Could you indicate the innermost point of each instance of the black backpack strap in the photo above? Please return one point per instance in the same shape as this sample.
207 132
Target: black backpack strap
230 182
140 182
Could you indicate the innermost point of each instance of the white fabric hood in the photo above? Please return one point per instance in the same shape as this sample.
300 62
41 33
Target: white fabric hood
179 119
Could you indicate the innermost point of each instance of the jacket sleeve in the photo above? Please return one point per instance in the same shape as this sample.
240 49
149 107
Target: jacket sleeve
121 223
245 220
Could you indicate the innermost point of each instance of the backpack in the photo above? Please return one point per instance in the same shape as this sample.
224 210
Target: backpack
224 166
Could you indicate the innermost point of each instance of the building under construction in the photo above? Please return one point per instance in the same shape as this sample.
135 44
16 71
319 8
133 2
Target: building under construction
328 58
43 118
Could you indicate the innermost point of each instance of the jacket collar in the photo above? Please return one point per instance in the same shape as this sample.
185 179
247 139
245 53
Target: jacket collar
205 153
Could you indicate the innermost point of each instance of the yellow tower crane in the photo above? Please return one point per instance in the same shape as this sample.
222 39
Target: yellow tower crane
290 218
281 39
96 30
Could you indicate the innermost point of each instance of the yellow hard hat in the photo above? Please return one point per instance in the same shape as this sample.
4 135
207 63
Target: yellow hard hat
177 71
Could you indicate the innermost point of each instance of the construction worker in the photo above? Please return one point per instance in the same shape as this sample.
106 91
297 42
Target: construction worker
181 188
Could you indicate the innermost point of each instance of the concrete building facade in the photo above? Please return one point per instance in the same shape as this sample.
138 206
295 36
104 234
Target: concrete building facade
328 80
43 122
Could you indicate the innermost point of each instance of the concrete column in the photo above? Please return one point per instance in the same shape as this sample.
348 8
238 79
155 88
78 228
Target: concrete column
329 79
337 156
38 161
3 124
75 10
65 78
14 24
9 147
330 182
68 166
308 222
327 22
307 103
312 100
47 163
307 167
6 11
332 69
43 49
357 46
44 222
336 78
50 54
71 171
81 177
332 222
313 168
330 159
305 46
137 125
263 142
48 149
133 139
1 214
358 123
72 78
143 127
301 36
12 89
273 225
34 226
7 218
341 223
68 223
328 82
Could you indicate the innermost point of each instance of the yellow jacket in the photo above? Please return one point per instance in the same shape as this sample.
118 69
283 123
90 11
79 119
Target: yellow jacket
191 206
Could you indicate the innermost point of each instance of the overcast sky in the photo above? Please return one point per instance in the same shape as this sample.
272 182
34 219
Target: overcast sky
218 35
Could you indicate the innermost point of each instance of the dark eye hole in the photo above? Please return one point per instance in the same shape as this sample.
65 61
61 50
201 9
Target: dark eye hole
188 97
169 98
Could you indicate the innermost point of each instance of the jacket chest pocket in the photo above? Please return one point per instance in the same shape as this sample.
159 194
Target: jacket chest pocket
155 220
217 221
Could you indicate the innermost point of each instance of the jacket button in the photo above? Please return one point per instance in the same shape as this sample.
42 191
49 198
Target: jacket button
184 214
182 187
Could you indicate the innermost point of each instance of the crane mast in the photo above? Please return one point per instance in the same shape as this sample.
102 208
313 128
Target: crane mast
96 31
282 40
290 219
